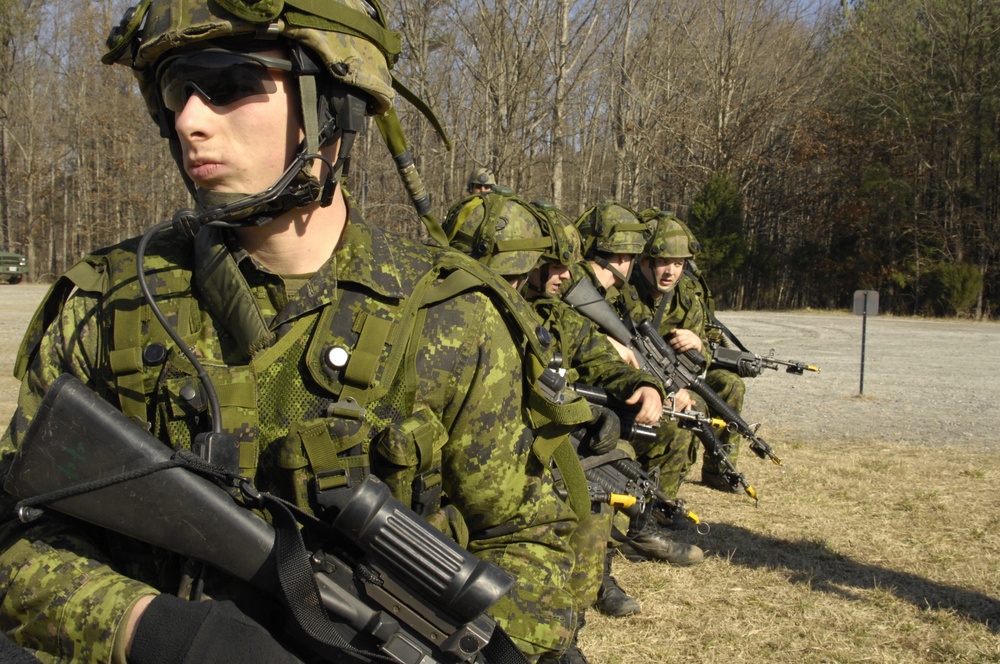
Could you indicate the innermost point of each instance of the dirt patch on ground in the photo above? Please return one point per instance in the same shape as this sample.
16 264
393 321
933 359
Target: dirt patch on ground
925 381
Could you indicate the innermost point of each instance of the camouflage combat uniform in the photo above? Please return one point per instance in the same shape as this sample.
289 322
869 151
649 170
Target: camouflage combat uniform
590 359
675 449
459 379
587 354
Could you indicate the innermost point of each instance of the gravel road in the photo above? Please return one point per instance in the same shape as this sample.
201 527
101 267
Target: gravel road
930 381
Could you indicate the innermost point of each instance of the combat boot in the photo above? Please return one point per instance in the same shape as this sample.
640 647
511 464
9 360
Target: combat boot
653 543
611 599
573 654
719 482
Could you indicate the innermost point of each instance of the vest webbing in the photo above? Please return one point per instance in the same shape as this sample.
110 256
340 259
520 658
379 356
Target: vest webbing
548 418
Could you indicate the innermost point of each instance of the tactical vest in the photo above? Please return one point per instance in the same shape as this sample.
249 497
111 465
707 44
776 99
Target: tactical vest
350 412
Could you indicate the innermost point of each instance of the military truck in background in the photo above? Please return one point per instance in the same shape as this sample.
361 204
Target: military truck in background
13 267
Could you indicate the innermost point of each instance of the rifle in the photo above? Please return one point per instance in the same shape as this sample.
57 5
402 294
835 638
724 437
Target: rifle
747 364
700 424
384 585
675 370
614 478
616 474
750 365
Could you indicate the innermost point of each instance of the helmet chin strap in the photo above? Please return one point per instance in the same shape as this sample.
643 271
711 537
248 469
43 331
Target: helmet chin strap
295 188
603 262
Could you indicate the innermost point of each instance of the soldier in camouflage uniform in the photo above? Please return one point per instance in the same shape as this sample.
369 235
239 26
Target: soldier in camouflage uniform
728 385
613 237
528 245
481 180
336 349
679 316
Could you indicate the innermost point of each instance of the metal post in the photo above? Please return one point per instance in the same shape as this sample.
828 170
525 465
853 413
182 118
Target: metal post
864 326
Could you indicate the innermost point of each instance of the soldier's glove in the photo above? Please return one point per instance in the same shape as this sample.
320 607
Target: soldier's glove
603 430
175 631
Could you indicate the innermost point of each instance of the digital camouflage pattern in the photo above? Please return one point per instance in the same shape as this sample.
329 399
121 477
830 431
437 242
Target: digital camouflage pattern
360 56
511 236
675 449
588 356
613 228
671 237
500 230
482 177
461 373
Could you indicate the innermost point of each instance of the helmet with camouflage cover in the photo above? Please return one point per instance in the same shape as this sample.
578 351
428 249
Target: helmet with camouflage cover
567 245
611 228
657 246
340 52
481 177
500 230
671 238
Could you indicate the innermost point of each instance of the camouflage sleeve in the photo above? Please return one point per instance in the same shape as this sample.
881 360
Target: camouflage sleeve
592 357
696 320
61 597
692 289
491 475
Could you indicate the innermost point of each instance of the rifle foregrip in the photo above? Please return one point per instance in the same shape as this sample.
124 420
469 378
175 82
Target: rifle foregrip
745 365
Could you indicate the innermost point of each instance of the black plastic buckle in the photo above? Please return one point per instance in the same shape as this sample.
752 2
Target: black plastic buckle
327 498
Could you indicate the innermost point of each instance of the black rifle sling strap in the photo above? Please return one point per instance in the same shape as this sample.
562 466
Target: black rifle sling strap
501 650
300 594
296 578
661 309
729 334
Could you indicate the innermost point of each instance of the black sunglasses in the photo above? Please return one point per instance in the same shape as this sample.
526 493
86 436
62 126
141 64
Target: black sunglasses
220 77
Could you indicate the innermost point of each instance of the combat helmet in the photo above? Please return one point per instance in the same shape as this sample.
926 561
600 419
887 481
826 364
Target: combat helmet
567 245
500 230
339 51
656 246
670 239
611 228
481 177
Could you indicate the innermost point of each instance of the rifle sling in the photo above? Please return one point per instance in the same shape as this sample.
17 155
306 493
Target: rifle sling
296 577
729 334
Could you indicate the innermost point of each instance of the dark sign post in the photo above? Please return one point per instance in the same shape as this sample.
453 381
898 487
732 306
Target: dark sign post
865 302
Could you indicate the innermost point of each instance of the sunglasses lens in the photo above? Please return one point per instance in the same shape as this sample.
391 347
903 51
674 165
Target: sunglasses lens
220 79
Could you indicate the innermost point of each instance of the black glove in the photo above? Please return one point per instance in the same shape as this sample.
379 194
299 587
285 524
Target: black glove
11 653
603 430
175 631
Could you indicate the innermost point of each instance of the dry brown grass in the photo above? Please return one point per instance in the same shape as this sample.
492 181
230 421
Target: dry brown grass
857 553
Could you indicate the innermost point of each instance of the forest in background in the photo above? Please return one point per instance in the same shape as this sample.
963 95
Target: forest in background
815 148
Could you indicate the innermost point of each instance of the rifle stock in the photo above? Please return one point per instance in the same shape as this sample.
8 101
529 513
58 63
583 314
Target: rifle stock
421 601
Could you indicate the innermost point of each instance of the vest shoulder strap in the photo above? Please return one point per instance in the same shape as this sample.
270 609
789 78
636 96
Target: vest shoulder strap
87 275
